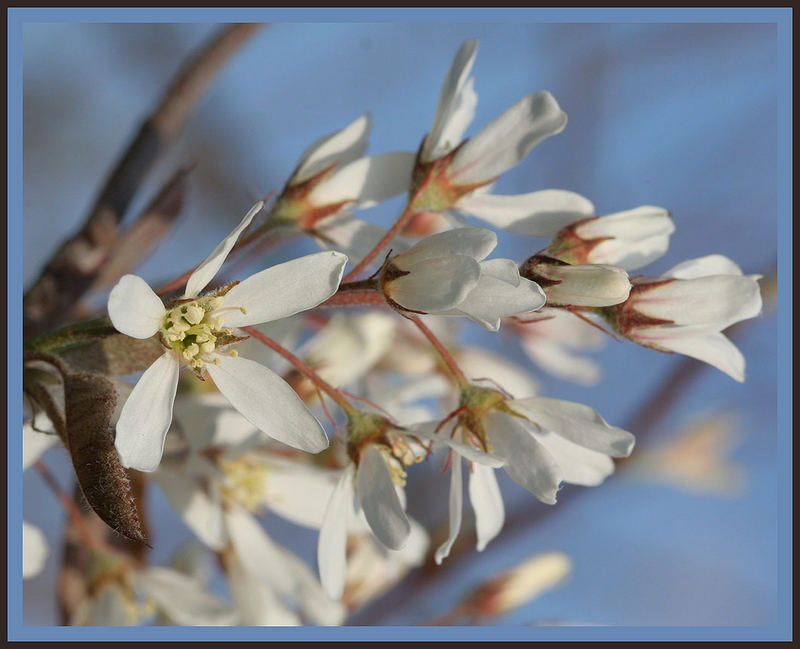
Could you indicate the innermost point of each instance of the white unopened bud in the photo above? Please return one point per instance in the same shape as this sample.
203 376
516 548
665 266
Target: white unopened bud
581 285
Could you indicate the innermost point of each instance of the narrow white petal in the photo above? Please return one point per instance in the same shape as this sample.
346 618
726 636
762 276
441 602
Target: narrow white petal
341 147
34 550
493 299
331 548
578 423
135 310
471 242
508 139
558 359
713 348
537 214
456 499
528 463
426 431
267 402
147 414
257 603
206 271
298 492
487 502
703 267
34 444
641 222
437 284
367 181
456 104
579 465
285 289
716 301
379 501
184 600
201 512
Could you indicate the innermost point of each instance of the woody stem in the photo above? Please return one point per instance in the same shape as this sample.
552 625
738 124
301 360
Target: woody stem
312 376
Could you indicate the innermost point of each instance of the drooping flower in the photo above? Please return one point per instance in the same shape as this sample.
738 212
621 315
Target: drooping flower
539 442
629 239
197 330
686 309
448 274
452 174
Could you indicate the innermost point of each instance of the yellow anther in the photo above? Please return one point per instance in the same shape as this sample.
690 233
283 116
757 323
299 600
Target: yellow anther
234 353
191 351
207 348
194 314
243 310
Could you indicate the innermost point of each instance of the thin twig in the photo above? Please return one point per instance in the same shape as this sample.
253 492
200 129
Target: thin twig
80 259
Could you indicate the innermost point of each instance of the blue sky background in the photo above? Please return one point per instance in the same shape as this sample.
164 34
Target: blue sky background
677 115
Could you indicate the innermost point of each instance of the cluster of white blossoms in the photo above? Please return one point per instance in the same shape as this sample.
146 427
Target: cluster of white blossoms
393 338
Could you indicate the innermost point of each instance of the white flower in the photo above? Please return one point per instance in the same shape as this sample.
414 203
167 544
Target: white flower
629 239
195 328
539 442
686 309
458 172
34 445
331 177
448 274
577 285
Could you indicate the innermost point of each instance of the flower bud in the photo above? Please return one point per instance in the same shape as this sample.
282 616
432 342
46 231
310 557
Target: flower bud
629 239
578 285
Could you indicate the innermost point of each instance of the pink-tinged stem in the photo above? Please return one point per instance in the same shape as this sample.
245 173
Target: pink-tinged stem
399 224
312 376
445 355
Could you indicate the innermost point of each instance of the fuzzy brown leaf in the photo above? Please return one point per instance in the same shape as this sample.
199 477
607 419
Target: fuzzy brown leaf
90 402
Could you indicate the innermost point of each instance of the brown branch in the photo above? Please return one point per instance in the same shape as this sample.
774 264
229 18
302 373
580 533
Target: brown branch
80 259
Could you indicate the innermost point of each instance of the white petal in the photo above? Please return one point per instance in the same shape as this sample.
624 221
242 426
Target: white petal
713 348
638 223
527 462
456 105
267 402
135 310
508 139
379 500
426 431
206 271
34 444
578 423
456 499
331 548
587 285
703 267
493 299
579 465
256 602
184 599
353 237
147 414
367 181
557 359
285 289
716 301
201 512
537 214
436 284
34 550
471 242
108 607
298 492
341 147
487 502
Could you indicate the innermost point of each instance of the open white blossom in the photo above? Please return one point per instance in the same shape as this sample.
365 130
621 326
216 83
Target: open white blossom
686 309
196 331
458 172
540 442
448 274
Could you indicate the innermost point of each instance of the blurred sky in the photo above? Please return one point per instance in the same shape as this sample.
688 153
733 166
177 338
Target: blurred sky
677 115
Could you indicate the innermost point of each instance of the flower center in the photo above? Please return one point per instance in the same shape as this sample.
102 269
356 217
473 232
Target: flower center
245 483
193 330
